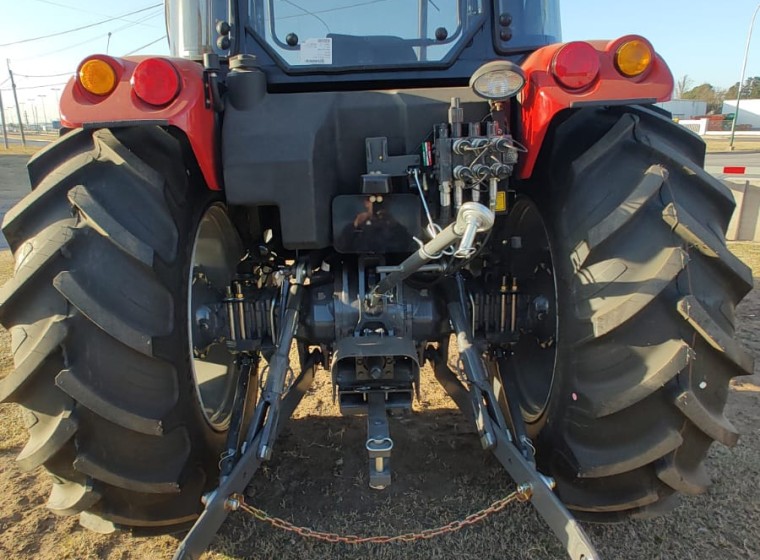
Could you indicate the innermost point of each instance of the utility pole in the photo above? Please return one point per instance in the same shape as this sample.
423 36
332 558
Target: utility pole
44 112
741 80
15 98
2 116
58 101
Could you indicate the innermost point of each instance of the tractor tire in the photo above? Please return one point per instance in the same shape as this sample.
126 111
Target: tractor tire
97 315
646 291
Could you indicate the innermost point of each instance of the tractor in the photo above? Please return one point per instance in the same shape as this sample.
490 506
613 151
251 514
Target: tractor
363 190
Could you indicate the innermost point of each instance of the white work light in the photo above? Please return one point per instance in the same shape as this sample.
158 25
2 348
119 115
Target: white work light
498 80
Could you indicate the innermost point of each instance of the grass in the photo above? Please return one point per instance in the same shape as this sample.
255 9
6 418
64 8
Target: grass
720 145
749 252
17 149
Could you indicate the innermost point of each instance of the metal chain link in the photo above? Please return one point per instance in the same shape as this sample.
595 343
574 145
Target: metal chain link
521 494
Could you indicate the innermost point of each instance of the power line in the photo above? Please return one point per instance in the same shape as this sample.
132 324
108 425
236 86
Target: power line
45 76
80 10
80 28
38 87
90 40
146 45
336 9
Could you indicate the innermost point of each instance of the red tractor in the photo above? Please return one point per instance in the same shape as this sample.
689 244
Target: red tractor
352 186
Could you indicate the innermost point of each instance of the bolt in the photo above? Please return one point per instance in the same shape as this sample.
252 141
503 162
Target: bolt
232 504
524 491
549 481
206 498
265 452
487 441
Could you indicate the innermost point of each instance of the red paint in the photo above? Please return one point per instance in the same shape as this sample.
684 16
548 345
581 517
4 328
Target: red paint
734 170
188 112
543 96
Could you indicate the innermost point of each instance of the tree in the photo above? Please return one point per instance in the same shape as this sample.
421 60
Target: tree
682 86
707 92
751 89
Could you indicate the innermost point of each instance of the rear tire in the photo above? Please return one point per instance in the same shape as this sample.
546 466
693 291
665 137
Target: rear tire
97 314
646 296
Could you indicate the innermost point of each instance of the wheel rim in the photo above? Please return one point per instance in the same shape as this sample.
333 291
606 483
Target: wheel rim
216 252
532 361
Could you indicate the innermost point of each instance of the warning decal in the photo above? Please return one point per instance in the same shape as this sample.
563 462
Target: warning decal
316 51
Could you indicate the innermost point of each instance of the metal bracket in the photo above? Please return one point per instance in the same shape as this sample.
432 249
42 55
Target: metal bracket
378 160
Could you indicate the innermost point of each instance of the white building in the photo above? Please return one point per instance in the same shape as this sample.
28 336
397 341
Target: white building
749 111
685 108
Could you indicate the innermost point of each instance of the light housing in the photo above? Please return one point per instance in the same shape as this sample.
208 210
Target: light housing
97 76
156 81
576 65
498 80
634 57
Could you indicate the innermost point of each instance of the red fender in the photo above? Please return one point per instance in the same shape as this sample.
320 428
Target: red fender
543 97
188 112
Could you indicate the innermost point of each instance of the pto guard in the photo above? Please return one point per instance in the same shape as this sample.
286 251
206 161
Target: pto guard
543 97
188 112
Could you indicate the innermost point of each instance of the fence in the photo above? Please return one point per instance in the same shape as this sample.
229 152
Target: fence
716 126
698 126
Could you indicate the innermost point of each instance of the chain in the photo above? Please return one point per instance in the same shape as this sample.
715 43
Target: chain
521 494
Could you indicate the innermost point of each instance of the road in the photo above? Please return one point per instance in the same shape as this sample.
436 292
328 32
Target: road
716 163
14 182
14 141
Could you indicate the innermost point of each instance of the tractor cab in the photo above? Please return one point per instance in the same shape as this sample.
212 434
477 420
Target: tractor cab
388 44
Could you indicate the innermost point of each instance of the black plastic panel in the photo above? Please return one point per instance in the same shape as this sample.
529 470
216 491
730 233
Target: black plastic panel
298 151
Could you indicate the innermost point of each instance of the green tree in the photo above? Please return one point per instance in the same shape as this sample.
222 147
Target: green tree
707 92
751 89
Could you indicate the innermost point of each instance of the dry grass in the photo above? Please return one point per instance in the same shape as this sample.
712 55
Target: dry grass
18 150
719 145
749 252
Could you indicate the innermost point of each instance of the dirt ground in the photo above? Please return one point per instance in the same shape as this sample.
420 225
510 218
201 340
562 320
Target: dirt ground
318 479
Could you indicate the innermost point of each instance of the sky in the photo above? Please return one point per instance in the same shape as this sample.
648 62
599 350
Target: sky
703 39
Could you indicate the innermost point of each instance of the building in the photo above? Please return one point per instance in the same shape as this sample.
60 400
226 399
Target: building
685 108
749 112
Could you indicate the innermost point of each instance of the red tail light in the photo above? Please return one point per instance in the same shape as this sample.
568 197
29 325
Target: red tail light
576 65
156 81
